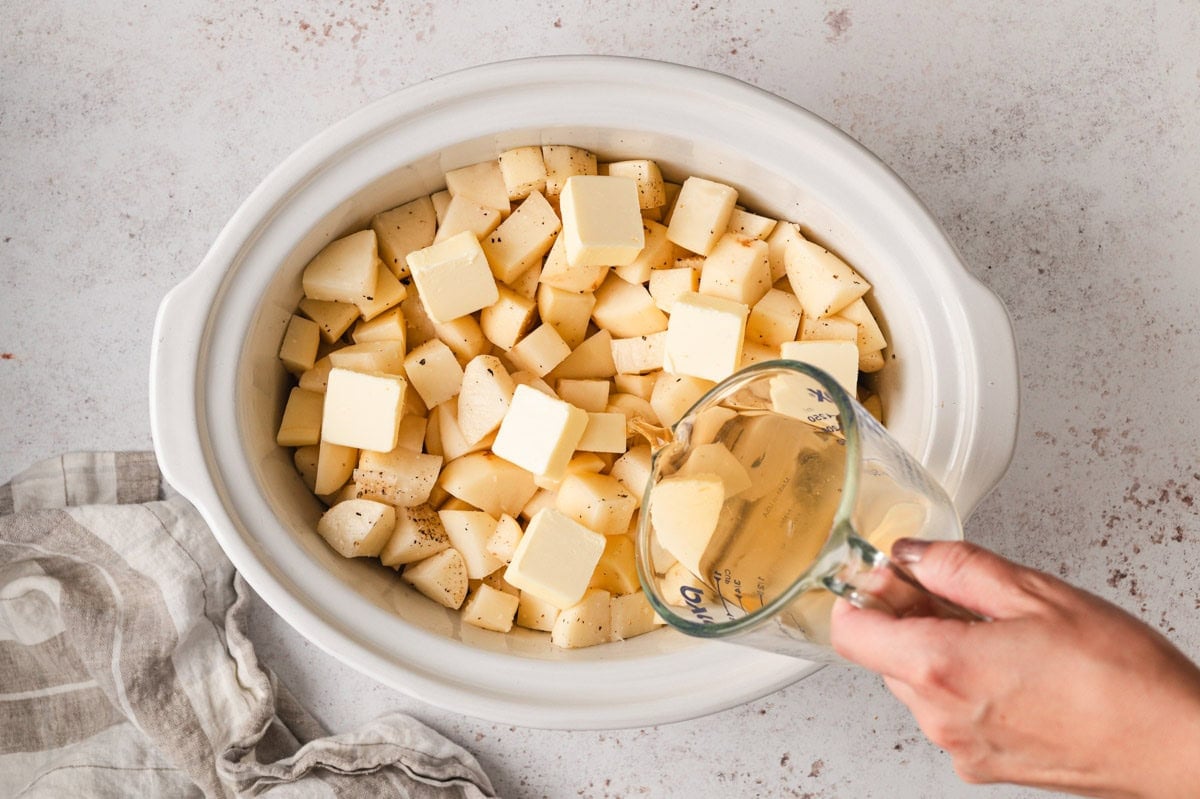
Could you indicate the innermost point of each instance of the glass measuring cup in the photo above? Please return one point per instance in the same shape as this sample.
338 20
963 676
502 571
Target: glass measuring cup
776 493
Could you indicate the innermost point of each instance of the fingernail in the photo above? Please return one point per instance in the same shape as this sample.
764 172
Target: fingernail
909 550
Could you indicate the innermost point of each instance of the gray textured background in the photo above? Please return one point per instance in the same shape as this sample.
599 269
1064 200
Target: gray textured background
1057 144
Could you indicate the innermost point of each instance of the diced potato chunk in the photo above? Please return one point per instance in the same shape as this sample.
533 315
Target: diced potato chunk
684 511
638 385
464 214
647 176
503 542
590 360
831 328
332 318
639 354
507 319
559 273
605 432
774 319
434 372
715 458
521 240
597 501
370 356
400 477
388 293
487 391
490 609
824 283
335 464
666 285
301 423
777 243
744 223
441 577
701 214
535 614
300 341
624 309
523 170
737 269
344 271
469 531
616 571
388 326
657 253
586 623
489 483
632 470
357 527
403 229
540 351
632 615
590 395
482 182
673 395
568 312
463 336
418 534
562 162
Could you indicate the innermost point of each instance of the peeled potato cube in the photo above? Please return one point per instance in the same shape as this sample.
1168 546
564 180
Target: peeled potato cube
639 354
774 319
597 501
684 511
648 178
657 253
441 577
737 269
418 534
464 214
487 392
831 328
666 285
679 586
490 609
523 170
335 464
616 571
433 372
504 539
871 361
626 310
744 223
388 326
301 423
641 386
589 395
506 320
332 318
370 356
481 182
824 283
305 459
568 312
559 273
777 243
521 240
401 230
540 351
605 432
590 360
488 482
563 161
586 623
632 470
469 531
701 214
387 293
451 439
345 270
673 395
316 379
357 527
300 341
399 477
632 615
463 336
534 613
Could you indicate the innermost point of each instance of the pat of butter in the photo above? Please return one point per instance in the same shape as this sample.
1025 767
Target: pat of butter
555 559
362 410
801 397
539 433
453 277
685 512
838 358
602 221
705 336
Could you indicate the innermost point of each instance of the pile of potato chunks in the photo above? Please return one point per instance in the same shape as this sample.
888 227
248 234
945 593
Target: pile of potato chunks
468 369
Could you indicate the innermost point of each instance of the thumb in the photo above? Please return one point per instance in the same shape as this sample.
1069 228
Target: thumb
968 575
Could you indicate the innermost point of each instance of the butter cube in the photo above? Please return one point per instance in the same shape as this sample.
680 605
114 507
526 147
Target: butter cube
639 354
540 433
453 277
737 269
540 351
562 162
388 326
657 253
824 283
506 320
585 623
482 182
774 319
555 559
558 272
523 170
685 512
521 240
597 501
777 243
602 222
568 312
344 271
464 214
667 284
490 609
434 372
401 230
301 425
625 309
838 358
705 336
605 432
362 410
744 223
648 178
701 214
300 342
333 318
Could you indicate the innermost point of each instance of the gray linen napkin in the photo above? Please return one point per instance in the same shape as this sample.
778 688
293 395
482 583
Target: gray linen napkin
125 669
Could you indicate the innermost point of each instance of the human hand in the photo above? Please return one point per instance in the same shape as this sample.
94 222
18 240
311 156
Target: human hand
1060 690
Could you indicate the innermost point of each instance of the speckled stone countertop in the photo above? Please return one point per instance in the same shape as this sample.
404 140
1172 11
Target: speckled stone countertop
1056 143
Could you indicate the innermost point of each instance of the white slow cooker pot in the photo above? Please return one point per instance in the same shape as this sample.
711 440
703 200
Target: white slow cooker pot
217 388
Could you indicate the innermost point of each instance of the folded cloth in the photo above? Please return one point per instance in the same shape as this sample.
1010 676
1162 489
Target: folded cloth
125 669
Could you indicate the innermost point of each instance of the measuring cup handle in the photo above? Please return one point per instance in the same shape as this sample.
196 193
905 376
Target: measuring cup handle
870 579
